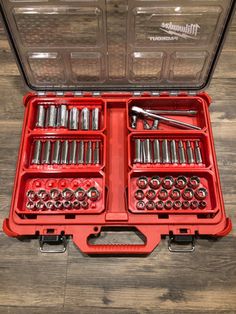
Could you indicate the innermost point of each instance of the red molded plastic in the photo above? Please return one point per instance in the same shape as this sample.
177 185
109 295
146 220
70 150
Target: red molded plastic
116 176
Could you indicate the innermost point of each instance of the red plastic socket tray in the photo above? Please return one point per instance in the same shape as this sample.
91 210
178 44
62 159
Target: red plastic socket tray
116 177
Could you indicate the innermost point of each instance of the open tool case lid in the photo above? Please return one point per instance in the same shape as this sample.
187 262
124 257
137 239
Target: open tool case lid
114 45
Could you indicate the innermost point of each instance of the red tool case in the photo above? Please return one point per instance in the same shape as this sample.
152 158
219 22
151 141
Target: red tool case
113 55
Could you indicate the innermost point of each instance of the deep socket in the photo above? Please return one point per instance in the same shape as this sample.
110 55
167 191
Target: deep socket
190 153
37 153
147 151
51 116
85 119
73 146
74 118
56 153
95 119
46 153
137 158
182 157
165 152
64 152
62 117
198 153
96 158
156 152
81 152
40 117
174 157
89 153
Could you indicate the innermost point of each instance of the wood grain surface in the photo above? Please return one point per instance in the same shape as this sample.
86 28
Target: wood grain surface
202 282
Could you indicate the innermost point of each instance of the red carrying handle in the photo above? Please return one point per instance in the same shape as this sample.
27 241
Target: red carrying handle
150 232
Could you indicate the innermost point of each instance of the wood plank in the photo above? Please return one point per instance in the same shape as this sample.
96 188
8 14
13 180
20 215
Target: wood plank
29 278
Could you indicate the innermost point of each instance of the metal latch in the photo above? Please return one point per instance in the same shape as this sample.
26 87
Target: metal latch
186 241
52 241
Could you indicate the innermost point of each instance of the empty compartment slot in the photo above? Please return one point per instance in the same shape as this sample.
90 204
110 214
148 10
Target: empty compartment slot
146 66
67 114
190 110
73 193
88 67
169 150
172 192
46 67
188 66
63 152
68 26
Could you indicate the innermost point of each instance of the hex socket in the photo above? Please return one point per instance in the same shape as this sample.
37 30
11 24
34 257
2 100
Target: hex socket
62 117
56 152
46 153
95 119
64 152
85 119
40 121
37 153
74 118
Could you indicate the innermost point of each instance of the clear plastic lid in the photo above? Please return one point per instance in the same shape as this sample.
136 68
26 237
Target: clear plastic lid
117 45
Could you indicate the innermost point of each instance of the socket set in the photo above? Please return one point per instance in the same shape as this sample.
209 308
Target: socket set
66 199
53 116
166 151
65 152
75 193
180 194
116 138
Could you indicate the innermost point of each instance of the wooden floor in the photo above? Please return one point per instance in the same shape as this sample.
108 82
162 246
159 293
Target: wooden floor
202 282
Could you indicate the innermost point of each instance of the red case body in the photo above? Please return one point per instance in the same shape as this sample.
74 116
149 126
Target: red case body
117 175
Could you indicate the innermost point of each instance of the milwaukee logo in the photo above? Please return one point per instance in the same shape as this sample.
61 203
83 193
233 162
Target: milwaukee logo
183 31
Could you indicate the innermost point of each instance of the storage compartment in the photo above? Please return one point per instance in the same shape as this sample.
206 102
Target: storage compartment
192 108
172 192
48 152
41 193
67 115
165 150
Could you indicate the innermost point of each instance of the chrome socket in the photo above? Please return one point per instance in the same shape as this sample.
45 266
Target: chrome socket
182 157
156 152
81 153
198 153
56 152
73 149
64 152
37 153
51 116
138 152
95 119
74 118
67 194
93 194
140 205
40 120
174 157
46 153
165 152
190 153
85 119
62 117
96 157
